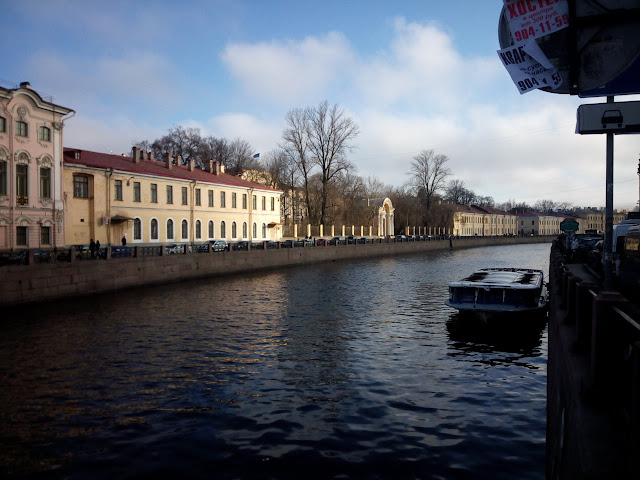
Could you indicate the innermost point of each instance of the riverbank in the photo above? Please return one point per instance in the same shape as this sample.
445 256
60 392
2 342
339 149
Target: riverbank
43 282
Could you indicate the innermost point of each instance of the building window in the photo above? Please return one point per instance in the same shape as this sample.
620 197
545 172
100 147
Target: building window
273 203
45 183
244 230
255 230
169 229
198 229
137 229
185 229
21 236
223 200
22 192
170 196
198 199
117 194
154 193
44 134
154 229
3 178
45 235
3 125
136 191
210 192
211 227
234 230
244 201
22 129
234 203
264 230
80 186
223 230
264 203
255 202
184 196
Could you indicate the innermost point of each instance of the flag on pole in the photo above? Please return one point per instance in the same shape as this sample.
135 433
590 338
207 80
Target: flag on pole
257 155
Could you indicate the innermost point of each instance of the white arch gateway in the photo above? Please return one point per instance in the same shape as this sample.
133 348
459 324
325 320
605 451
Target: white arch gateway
385 215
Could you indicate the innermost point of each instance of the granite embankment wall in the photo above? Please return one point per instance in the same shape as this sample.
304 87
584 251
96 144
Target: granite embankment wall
593 377
49 281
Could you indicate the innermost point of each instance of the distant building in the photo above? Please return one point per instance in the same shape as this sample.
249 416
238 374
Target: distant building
148 201
472 220
536 223
31 194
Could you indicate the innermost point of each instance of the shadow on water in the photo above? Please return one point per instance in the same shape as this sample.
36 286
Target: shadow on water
508 335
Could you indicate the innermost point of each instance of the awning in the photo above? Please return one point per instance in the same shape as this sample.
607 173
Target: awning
119 219
273 224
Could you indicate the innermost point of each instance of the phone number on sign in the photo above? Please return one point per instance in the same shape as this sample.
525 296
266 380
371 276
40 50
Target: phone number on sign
543 28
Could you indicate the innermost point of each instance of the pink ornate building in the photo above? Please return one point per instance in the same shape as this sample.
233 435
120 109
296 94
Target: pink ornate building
31 194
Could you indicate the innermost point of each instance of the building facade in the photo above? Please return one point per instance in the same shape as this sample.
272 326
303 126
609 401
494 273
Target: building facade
535 223
31 189
472 220
145 201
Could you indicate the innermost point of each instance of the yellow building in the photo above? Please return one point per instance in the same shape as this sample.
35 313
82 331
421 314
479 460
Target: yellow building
535 223
108 197
31 195
471 220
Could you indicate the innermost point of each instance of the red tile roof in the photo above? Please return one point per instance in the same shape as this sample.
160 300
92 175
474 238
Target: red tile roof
154 167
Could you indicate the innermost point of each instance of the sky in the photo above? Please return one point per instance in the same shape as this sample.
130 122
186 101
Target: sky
414 75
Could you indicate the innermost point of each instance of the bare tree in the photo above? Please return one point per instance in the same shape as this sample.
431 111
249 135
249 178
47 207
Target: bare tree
295 144
330 134
545 206
456 192
428 174
240 157
484 201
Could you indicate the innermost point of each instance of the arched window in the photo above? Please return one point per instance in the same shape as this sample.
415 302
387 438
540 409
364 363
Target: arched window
223 230
137 229
185 229
211 227
255 230
234 230
198 229
154 229
244 230
264 230
169 229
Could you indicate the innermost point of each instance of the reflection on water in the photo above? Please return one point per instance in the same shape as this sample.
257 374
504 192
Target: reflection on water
355 369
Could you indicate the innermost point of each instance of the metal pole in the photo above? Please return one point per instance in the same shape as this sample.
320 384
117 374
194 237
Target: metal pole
608 233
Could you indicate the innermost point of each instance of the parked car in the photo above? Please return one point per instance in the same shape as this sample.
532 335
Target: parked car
351 239
292 243
219 245
242 246
172 249
321 242
364 240
121 252
401 238
338 241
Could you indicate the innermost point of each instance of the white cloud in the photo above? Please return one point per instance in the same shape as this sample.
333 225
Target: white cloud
286 71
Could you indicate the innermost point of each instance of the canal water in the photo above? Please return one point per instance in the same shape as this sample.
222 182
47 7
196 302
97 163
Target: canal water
339 370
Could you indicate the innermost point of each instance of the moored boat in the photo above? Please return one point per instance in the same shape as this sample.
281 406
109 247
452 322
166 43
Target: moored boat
500 292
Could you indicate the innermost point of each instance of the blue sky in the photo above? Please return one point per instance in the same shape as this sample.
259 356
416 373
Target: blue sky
414 75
